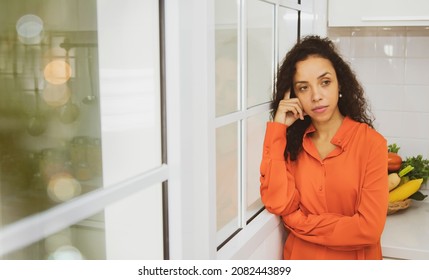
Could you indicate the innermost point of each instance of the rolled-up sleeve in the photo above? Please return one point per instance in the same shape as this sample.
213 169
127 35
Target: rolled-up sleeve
278 191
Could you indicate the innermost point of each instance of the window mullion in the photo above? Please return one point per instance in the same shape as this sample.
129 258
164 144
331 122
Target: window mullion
242 44
243 173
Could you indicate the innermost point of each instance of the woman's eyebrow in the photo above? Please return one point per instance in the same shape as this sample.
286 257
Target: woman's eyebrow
324 74
300 82
321 76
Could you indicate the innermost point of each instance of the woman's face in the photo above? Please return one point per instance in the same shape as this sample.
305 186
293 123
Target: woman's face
316 86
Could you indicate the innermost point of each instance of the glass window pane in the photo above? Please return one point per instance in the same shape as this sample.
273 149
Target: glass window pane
57 74
130 87
128 229
307 21
83 241
226 57
134 226
50 132
288 30
255 138
260 51
227 178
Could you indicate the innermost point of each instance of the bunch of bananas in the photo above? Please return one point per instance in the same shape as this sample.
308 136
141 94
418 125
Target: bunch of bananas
401 187
404 190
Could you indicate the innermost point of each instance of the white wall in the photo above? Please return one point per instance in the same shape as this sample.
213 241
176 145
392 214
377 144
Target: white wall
392 65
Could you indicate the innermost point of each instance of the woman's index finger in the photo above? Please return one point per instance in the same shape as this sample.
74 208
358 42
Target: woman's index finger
287 95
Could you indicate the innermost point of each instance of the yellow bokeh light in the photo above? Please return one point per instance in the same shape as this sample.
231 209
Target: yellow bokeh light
57 72
56 95
55 53
63 187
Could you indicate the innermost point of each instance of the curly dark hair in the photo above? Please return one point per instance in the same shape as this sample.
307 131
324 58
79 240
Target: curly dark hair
351 104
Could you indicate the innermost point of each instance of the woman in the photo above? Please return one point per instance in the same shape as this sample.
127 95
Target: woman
324 167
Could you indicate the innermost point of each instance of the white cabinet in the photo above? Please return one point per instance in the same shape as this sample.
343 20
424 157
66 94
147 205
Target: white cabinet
378 13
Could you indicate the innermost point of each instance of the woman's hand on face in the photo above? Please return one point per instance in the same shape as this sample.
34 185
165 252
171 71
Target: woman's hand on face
289 110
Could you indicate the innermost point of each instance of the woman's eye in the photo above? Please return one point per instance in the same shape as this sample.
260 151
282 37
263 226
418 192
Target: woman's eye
302 88
326 82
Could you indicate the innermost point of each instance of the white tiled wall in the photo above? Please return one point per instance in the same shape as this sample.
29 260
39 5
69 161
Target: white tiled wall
393 66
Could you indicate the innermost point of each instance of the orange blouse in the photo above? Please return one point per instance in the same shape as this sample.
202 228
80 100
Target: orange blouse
333 208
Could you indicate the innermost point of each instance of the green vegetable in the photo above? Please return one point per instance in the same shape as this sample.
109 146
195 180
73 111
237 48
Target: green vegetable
404 180
421 167
393 148
418 196
404 171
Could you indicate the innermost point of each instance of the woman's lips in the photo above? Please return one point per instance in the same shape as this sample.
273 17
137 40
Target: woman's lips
319 109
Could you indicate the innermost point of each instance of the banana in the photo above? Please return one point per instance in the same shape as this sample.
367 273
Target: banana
405 190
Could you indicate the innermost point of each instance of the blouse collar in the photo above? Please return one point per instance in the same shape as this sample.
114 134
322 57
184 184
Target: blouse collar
343 134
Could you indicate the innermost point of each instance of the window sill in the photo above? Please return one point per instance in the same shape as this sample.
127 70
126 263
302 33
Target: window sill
247 241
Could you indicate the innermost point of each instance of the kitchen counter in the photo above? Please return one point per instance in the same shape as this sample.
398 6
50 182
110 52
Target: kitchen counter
406 234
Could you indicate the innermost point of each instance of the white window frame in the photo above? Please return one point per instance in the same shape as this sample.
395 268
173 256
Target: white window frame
190 76
36 227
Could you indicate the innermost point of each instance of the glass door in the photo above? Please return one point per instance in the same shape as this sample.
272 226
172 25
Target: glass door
49 89
81 168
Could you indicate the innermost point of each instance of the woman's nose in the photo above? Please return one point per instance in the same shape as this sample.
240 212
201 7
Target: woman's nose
315 94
